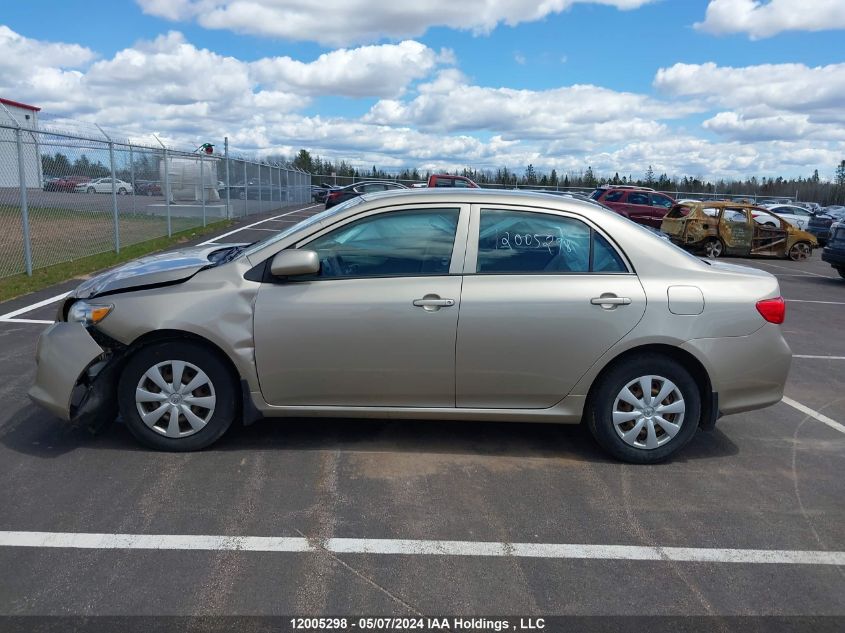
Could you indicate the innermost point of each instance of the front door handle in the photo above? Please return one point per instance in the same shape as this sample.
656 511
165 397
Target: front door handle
609 301
432 303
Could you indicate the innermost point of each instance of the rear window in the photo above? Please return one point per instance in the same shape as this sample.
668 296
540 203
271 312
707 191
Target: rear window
679 211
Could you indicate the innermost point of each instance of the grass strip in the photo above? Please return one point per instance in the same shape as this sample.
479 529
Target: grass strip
21 284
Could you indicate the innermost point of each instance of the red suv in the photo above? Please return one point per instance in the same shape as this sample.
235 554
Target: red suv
640 204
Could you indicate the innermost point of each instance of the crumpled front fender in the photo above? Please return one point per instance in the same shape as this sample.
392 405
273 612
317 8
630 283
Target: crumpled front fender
64 352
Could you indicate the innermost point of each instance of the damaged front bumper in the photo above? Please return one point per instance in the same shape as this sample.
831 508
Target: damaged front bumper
75 375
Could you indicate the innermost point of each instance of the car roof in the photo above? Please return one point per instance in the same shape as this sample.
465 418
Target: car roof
626 187
719 204
458 195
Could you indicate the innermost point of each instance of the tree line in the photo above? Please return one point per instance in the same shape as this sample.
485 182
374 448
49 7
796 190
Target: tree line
812 188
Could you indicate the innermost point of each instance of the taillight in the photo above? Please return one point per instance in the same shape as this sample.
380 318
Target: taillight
773 310
334 195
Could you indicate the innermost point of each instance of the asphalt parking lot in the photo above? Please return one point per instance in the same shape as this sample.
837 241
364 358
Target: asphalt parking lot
748 520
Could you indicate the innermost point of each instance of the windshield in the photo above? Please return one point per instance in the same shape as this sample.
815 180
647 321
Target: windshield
314 219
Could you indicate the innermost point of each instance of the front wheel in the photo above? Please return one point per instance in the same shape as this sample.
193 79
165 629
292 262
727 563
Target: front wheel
714 248
177 396
800 251
121 191
645 409
91 190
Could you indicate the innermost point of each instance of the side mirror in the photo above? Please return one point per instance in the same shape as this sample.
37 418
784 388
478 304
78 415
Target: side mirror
290 263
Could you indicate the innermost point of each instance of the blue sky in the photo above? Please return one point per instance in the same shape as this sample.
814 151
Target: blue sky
712 88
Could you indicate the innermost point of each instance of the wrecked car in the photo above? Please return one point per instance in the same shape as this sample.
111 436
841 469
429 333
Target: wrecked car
567 314
717 229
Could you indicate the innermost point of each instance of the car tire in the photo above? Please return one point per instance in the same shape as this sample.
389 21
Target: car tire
242 195
770 224
800 251
91 190
121 191
714 248
214 402
613 421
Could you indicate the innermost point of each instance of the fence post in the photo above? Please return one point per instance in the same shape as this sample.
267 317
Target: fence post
132 176
202 186
167 193
27 244
281 201
228 184
114 199
246 192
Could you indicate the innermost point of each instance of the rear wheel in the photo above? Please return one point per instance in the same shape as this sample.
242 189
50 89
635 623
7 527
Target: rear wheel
121 191
177 396
91 190
800 251
645 409
714 248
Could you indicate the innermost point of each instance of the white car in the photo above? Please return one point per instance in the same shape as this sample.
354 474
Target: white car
797 216
104 185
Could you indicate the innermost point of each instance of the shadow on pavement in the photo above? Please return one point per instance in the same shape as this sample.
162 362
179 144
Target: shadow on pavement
32 432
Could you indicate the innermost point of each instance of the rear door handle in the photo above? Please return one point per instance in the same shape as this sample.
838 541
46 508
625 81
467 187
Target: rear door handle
609 301
433 303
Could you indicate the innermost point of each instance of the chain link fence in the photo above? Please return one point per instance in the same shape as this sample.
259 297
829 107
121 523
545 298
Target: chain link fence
67 196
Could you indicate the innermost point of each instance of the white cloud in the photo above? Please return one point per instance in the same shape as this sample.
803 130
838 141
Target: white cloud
583 114
765 19
775 120
767 102
382 71
341 22
44 71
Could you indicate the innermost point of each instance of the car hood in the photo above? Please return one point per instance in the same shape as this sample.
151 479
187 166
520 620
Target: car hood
164 268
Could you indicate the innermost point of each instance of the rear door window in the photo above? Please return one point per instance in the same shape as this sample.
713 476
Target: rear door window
536 243
637 197
658 200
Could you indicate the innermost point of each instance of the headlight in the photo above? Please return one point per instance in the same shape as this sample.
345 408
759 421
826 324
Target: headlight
87 314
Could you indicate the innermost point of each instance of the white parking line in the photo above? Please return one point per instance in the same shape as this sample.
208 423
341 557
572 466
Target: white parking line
806 272
831 303
25 321
10 315
408 547
803 408
248 226
818 357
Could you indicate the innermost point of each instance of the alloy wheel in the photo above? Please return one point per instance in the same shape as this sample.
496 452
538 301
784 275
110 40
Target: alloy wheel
648 412
713 249
799 252
175 398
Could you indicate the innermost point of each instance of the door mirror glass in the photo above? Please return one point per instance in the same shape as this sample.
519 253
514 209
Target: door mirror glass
291 263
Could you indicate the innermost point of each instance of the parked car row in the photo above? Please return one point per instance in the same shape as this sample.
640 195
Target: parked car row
834 252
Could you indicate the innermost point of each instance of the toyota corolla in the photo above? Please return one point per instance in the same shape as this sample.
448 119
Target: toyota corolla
443 304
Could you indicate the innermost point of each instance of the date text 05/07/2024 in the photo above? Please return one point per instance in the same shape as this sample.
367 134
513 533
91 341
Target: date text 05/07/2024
421 624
